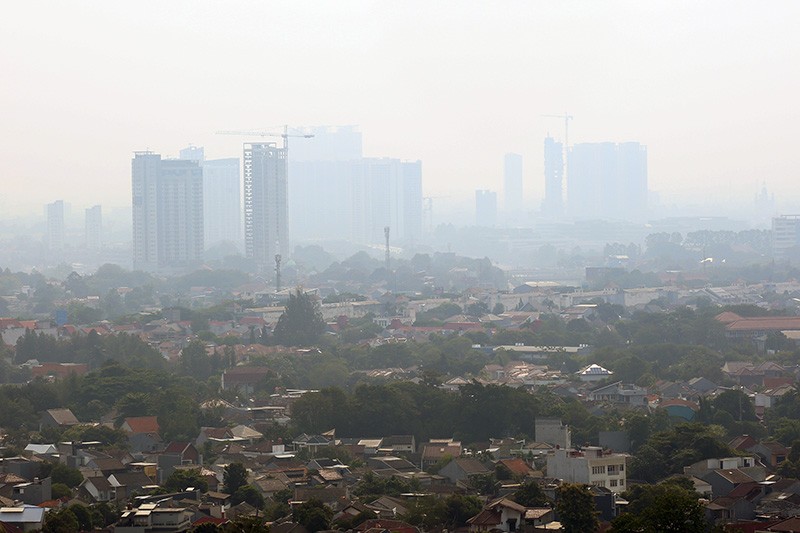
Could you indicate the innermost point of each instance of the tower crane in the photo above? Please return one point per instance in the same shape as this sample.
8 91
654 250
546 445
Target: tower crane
265 133
566 117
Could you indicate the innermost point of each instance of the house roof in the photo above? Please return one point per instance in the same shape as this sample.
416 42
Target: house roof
517 466
594 370
471 466
99 482
789 525
143 424
63 417
734 475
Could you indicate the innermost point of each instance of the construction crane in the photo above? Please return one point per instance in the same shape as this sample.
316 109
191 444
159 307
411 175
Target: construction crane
265 133
566 117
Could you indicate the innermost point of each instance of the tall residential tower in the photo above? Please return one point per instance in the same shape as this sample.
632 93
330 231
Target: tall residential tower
167 212
266 216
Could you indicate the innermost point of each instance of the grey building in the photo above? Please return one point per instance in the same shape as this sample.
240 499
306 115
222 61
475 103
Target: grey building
607 180
485 208
266 206
222 205
512 184
553 204
93 227
167 212
55 226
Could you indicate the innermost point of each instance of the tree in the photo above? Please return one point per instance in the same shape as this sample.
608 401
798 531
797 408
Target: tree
575 509
184 478
530 494
301 324
234 476
63 521
313 515
663 508
249 494
61 473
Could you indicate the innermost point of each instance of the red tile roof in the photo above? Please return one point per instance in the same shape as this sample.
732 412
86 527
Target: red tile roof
143 424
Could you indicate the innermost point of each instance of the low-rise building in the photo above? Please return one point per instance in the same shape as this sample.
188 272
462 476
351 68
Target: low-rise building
591 465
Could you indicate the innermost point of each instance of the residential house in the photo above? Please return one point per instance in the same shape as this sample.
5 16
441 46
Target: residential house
26 517
620 393
501 515
58 418
593 372
97 489
398 444
438 449
462 469
149 517
591 465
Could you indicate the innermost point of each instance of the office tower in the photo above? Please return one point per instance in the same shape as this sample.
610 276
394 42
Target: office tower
222 206
607 180
785 236
512 184
265 203
553 204
485 208
55 225
93 227
359 196
387 192
167 212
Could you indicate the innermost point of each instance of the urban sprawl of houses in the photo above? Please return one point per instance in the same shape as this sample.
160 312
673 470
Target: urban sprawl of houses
685 386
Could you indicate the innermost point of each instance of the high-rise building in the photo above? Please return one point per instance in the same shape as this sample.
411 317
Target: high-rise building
222 205
607 180
93 227
55 226
512 184
387 192
785 236
485 208
266 215
553 204
359 196
167 212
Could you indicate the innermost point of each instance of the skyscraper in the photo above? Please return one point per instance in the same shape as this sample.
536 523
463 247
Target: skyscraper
553 204
607 180
266 209
167 212
55 226
512 184
386 192
222 205
485 208
93 227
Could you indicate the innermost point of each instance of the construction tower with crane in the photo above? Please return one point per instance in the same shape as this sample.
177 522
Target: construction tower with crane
266 207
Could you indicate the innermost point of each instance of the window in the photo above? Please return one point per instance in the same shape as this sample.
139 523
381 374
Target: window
598 470
613 483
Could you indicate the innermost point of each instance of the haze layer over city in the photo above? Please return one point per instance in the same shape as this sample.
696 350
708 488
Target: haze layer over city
419 267
705 89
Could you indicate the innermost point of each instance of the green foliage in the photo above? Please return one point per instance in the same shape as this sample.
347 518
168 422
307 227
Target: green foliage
234 476
662 508
63 521
576 509
313 515
301 324
61 473
667 452
530 494
249 494
60 490
183 478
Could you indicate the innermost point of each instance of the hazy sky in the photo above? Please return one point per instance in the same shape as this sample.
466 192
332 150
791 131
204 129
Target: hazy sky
710 87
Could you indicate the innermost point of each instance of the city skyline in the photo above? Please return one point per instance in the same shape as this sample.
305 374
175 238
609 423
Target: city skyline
657 73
